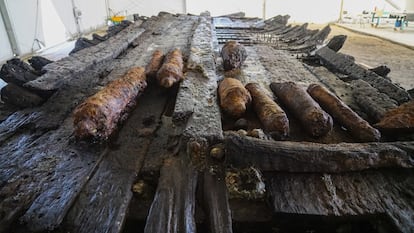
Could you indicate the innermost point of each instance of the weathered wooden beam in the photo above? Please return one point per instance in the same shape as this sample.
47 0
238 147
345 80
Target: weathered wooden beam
386 192
314 157
43 177
173 207
303 38
374 103
339 62
336 42
38 62
319 37
288 68
58 167
298 32
19 96
277 20
142 132
196 105
69 68
117 171
38 145
381 70
14 73
216 202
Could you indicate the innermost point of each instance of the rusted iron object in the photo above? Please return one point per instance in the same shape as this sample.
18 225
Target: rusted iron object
155 63
233 54
98 116
171 71
400 119
317 122
234 98
360 129
271 115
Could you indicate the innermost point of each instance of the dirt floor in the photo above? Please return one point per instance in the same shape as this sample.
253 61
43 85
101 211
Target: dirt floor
372 51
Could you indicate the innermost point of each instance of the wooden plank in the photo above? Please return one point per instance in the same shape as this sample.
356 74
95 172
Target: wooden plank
373 102
196 105
97 209
50 170
65 70
339 62
38 144
118 170
44 210
379 192
173 207
298 32
283 67
315 157
216 202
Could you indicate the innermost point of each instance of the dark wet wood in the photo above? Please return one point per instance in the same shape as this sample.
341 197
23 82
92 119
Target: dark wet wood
139 142
336 42
15 95
42 162
16 73
374 103
39 146
173 207
69 69
45 178
315 157
118 170
38 62
339 62
382 70
376 192
215 195
199 107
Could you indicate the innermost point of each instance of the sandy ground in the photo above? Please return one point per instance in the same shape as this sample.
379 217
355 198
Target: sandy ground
372 51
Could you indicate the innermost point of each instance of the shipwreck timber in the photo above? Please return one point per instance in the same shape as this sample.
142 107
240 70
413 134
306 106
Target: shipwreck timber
173 167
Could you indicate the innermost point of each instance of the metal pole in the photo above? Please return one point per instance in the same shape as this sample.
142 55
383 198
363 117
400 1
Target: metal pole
9 28
107 6
264 9
185 6
76 11
341 11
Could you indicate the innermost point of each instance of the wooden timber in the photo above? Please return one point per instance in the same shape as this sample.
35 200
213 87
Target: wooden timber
314 157
166 169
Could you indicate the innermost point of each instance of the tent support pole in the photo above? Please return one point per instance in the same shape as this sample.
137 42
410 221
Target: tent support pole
9 28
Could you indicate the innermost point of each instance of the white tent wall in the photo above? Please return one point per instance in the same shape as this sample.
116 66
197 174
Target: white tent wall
53 27
48 22
145 7
26 23
5 48
315 11
39 23
93 14
64 9
252 8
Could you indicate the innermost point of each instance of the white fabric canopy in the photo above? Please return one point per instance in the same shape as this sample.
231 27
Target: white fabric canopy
48 22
